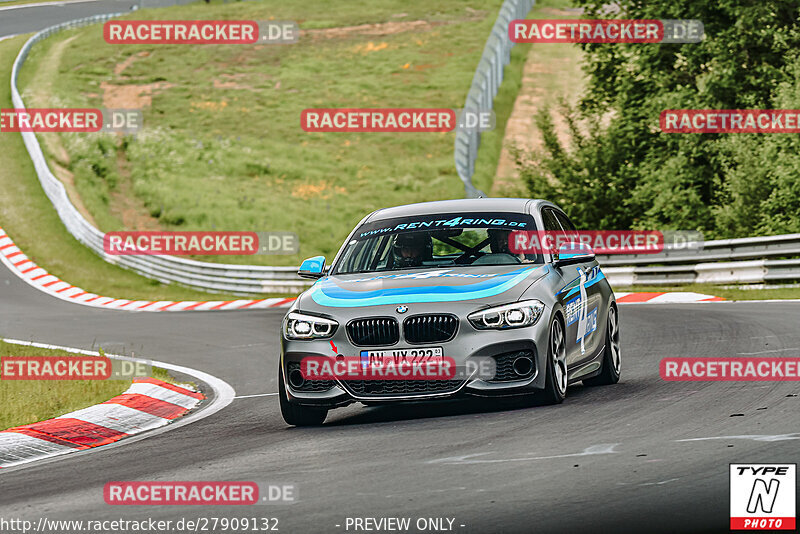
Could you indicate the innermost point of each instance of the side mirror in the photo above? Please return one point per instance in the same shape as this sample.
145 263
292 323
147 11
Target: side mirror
572 253
312 267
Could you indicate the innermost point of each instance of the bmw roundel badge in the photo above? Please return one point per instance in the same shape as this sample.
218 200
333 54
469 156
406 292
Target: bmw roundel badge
402 309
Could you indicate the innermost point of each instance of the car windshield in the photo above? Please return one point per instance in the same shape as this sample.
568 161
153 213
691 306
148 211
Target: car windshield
435 241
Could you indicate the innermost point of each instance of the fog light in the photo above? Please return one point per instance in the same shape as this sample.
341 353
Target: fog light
523 366
296 379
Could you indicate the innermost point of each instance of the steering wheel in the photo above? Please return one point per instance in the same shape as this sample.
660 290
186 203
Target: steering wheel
464 258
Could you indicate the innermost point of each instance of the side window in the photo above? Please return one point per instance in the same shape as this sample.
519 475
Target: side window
566 224
550 222
555 221
355 258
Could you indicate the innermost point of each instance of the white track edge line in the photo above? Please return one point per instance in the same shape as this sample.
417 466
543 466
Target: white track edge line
223 396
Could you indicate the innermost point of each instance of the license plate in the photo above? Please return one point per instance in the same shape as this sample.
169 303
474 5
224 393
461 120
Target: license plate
381 358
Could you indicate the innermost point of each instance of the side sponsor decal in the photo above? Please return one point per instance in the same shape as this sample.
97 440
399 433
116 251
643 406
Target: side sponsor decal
572 309
592 277
576 308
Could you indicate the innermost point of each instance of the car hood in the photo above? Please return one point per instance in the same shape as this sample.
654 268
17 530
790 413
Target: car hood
506 282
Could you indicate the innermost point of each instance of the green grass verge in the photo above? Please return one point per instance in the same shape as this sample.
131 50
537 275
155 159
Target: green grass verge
222 148
27 215
29 401
728 293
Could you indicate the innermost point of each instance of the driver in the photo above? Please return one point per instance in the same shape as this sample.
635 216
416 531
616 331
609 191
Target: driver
498 244
498 241
409 250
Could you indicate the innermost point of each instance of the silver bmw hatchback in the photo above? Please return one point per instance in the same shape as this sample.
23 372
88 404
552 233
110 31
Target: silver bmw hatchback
438 284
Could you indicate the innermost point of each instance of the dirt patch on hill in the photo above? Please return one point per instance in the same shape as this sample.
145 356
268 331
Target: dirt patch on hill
232 81
119 68
317 190
131 96
388 28
124 204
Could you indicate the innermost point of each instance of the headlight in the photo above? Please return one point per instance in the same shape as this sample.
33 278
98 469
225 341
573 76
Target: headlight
301 326
516 315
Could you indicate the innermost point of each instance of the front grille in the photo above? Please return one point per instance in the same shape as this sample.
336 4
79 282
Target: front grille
430 328
308 385
373 331
504 371
401 387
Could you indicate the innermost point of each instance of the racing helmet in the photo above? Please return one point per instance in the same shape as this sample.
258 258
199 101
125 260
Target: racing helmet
409 250
498 240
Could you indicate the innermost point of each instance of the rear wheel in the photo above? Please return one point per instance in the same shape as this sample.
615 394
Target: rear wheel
612 358
555 384
295 414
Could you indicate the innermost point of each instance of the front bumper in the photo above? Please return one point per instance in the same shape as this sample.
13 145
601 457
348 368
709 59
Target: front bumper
468 344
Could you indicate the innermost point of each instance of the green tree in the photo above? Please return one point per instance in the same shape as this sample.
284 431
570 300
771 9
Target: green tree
619 171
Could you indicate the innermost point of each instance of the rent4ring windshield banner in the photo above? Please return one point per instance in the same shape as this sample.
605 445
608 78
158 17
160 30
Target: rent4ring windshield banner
494 220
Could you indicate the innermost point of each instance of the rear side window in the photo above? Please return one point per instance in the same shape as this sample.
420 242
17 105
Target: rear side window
550 221
566 224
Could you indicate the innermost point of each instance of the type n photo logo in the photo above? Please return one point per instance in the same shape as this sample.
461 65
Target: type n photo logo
763 496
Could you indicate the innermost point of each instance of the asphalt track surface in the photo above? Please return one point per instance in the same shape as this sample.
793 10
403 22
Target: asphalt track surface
494 467
608 459
20 19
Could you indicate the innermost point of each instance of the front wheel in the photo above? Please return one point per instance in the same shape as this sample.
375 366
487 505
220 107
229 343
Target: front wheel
612 358
555 384
295 414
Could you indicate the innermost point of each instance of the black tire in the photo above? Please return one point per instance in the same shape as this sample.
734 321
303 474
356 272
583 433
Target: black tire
612 359
555 384
295 414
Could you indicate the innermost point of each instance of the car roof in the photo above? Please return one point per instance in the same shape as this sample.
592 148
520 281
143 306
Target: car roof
464 205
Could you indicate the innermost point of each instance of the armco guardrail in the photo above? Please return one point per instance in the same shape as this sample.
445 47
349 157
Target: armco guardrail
236 279
744 261
485 84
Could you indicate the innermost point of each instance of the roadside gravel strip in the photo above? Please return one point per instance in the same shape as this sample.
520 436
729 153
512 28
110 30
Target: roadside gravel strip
39 278
147 405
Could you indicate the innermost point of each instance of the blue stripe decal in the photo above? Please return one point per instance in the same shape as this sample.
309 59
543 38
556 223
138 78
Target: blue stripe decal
338 297
588 284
